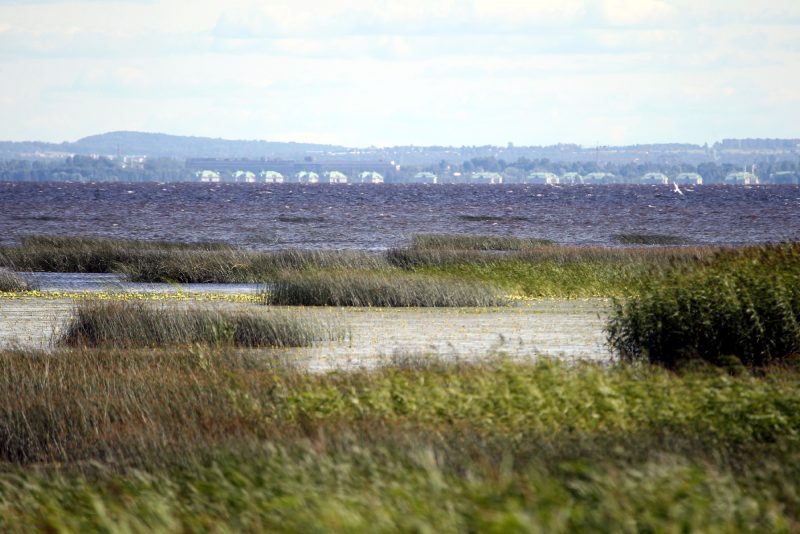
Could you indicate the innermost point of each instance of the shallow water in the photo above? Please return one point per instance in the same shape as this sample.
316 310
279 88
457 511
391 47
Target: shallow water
117 283
375 217
566 329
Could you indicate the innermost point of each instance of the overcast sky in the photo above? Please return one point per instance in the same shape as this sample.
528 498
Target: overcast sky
417 72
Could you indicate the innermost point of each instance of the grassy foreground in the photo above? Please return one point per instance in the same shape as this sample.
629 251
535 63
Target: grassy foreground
200 439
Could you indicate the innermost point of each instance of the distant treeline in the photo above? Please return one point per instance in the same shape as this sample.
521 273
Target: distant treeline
97 169
91 169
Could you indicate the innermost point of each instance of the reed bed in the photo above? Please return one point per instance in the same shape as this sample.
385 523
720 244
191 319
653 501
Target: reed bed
241 266
379 289
474 242
140 324
225 440
13 282
158 261
741 306
87 254
650 239
556 271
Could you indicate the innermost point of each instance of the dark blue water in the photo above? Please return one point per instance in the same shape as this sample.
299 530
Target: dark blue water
374 217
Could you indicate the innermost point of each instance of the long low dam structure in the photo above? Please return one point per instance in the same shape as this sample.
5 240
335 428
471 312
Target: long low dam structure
290 168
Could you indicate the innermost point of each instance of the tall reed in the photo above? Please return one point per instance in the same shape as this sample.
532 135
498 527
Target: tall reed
475 242
137 324
11 281
380 289
158 261
742 303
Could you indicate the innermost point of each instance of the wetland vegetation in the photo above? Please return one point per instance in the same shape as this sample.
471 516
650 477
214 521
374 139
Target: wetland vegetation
521 266
142 324
149 418
740 307
205 439
381 289
12 282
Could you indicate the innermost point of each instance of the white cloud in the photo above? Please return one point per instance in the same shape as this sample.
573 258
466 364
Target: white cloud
414 71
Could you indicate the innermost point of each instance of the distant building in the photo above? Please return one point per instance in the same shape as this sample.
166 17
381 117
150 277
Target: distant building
654 178
292 167
741 178
427 177
207 176
542 178
571 178
370 177
336 177
272 177
688 178
486 178
307 177
244 176
134 162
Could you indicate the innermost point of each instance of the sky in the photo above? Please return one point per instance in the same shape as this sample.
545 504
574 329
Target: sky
409 72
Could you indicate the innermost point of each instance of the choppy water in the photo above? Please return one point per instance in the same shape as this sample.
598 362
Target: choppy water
374 217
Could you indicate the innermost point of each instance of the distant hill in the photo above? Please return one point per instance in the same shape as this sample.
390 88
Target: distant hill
739 152
156 145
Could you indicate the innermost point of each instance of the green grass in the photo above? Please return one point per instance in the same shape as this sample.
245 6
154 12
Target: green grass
523 266
199 439
11 281
650 239
380 289
474 242
139 324
740 306
555 271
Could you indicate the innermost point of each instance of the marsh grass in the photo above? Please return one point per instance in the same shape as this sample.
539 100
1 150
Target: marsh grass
12 282
650 239
555 271
89 254
379 289
738 306
220 439
241 266
474 242
140 324
157 261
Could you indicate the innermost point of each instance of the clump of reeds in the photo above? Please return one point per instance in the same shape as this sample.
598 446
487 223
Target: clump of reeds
232 266
475 242
137 324
159 261
379 289
11 281
554 270
89 254
650 239
740 306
